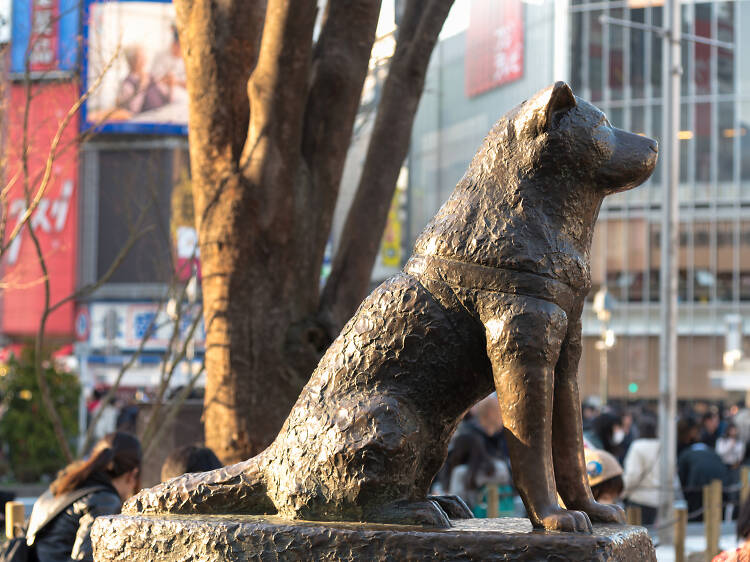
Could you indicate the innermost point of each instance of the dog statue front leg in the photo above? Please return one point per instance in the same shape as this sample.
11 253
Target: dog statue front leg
567 436
524 336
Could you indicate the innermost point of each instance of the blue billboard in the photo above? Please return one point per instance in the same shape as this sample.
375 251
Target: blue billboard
131 53
44 35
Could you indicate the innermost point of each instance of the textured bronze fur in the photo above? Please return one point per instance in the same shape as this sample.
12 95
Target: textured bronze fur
491 299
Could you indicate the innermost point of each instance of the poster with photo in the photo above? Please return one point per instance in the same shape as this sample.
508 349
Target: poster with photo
134 49
494 45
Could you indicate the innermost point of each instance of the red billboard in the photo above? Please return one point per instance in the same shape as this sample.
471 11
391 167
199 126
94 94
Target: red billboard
54 221
494 45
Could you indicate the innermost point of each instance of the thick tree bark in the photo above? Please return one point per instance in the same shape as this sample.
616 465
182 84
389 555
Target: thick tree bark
267 150
271 119
220 45
389 144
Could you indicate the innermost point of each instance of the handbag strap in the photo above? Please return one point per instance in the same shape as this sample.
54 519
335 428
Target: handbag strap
62 503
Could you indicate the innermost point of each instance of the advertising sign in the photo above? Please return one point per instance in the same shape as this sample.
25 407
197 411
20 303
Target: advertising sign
5 11
46 33
184 236
55 219
187 253
391 245
494 45
122 326
133 47
83 323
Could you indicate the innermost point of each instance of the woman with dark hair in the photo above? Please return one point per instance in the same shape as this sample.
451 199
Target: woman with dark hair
60 524
187 459
608 434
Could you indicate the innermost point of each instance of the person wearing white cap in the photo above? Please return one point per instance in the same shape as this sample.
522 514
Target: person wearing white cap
605 475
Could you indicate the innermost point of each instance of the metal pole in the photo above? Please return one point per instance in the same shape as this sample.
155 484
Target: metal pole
561 50
603 374
669 273
83 378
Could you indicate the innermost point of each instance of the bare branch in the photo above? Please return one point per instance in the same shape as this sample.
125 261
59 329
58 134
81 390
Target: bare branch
135 235
32 204
152 328
167 373
172 411
49 404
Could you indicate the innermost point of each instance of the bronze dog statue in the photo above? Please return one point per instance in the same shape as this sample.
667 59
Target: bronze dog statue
491 298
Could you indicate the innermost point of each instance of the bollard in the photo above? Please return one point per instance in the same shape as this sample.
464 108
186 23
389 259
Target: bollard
680 531
712 517
14 518
744 483
493 501
634 515
718 492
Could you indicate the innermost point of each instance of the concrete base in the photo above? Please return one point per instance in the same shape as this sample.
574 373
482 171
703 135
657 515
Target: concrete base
174 537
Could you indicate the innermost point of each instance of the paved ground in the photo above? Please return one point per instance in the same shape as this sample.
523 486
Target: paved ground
696 541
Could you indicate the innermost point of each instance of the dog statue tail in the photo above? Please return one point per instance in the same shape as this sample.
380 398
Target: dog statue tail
239 488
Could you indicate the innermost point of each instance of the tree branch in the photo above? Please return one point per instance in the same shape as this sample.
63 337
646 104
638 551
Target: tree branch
220 43
152 428
172 411
135 234
389 144
33 203
49 404
338 73
152 327
271 157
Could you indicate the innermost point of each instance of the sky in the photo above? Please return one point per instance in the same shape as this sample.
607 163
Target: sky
457 21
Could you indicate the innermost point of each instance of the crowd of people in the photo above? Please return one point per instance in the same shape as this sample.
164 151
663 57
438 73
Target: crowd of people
623 455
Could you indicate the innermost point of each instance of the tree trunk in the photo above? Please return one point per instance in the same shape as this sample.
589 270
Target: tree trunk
256 106
271 120
254 378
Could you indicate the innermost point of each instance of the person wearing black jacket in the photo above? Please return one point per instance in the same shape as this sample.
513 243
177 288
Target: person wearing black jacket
108 477
698 465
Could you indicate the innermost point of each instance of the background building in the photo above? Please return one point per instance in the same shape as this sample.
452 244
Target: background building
119 189
620 70
125 168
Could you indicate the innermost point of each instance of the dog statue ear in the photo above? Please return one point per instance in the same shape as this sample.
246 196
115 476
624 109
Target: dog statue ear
561 99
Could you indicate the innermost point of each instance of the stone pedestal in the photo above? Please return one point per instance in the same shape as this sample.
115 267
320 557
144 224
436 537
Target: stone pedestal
135 539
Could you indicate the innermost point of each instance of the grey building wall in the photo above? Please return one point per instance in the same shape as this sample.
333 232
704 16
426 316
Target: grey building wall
450 127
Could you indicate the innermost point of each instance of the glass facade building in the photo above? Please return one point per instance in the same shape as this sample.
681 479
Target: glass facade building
619 68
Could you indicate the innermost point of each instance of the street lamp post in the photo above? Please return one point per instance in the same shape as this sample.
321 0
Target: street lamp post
603 305
668 282
671 76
